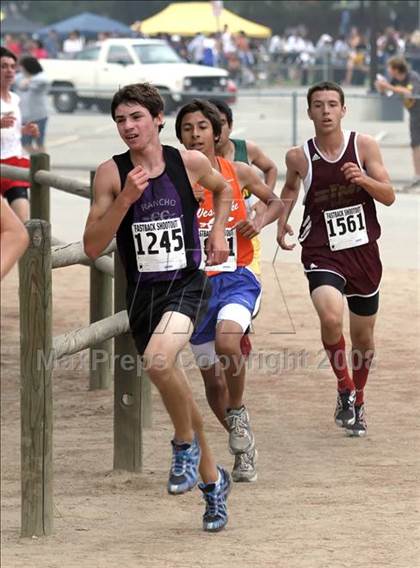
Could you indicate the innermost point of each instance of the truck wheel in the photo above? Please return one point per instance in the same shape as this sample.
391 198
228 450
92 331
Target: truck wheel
104 105
170 104
65 101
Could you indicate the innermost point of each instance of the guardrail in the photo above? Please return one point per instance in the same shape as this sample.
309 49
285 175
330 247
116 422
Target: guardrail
40 351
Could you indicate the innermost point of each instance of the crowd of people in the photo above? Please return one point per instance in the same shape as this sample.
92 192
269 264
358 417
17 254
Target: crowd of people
291 56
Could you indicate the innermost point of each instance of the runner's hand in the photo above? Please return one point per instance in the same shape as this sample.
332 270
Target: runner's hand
7 121
247 228
353 173
135 184
217 248
287 230
198 191
31 129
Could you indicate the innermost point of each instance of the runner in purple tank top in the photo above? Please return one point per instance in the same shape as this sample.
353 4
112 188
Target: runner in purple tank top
343 175
145 197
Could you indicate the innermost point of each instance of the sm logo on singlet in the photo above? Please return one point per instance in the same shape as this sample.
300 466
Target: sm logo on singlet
336 193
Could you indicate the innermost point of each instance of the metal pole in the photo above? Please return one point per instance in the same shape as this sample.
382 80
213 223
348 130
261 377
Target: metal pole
373 68
294 118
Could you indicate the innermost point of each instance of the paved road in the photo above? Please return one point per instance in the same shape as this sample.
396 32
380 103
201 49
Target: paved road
78 142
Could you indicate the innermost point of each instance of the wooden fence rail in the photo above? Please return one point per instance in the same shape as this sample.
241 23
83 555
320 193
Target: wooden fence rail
67 254
45 177
77 340
39 351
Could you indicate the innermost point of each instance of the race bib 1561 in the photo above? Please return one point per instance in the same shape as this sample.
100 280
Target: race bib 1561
346 228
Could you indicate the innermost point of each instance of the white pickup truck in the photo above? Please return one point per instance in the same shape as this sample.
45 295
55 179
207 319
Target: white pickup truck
94 74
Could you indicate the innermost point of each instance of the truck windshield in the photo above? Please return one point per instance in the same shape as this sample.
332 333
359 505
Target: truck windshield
156 53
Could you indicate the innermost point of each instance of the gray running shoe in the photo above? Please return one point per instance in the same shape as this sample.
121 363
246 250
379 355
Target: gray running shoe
241 438
245 468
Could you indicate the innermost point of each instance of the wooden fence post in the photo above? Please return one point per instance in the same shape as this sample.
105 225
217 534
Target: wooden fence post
40 194
128 427
100 356
36 362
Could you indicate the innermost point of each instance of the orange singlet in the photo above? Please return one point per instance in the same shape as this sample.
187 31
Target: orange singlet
205 214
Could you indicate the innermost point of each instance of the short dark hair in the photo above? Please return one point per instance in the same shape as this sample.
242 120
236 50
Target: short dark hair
325 86
31 65
208 110
143 94
398 64
4 52
223 108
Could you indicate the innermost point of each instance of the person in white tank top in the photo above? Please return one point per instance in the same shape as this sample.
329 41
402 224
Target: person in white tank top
15 191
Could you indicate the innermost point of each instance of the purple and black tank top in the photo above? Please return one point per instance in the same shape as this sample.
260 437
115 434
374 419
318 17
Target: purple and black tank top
158 239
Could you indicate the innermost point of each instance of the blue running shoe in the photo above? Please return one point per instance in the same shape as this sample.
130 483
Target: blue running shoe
215 517
183 475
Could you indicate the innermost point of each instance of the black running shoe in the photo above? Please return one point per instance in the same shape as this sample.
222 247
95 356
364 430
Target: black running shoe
359 428
344 411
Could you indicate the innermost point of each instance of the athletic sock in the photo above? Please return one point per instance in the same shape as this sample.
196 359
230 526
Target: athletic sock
337 356
361 366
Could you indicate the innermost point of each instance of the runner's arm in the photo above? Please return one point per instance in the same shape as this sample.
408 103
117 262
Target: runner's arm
249 178
376 179
110 205
262 162
295 162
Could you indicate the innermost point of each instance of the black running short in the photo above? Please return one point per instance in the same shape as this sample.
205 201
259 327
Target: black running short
16 193
189 296
359 305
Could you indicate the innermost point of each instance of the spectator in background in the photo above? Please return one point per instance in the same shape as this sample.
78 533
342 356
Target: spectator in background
388 44
340 57
196 48
210 55
32 86
405 83
37 49
12 44
357 65
52 44
323 57
73 43
412 52
228 44
11 152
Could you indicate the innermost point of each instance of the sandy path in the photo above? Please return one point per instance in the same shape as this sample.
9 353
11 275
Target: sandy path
321 500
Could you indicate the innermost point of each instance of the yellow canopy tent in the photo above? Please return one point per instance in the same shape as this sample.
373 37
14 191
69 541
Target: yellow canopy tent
189 18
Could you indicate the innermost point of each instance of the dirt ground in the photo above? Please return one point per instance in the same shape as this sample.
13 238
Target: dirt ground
321 499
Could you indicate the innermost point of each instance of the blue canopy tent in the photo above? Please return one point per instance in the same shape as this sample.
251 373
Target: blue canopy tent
17 24
89 25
